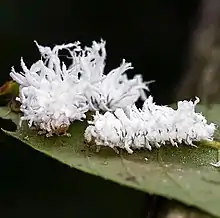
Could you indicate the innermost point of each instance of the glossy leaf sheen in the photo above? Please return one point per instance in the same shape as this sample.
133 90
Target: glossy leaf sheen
183 173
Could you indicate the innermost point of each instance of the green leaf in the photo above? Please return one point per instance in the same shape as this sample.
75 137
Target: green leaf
183 173
6 113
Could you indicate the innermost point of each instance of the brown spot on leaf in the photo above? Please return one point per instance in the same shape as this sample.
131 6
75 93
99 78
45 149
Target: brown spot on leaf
132 179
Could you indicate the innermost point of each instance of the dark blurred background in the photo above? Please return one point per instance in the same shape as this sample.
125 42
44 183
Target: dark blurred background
153 35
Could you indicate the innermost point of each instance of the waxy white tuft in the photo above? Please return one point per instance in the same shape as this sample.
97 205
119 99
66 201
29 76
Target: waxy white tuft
152 126
53 95
51 98
111 91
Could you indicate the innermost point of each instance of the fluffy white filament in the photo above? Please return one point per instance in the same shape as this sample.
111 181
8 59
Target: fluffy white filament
50 98
53 95
152 126
111 91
